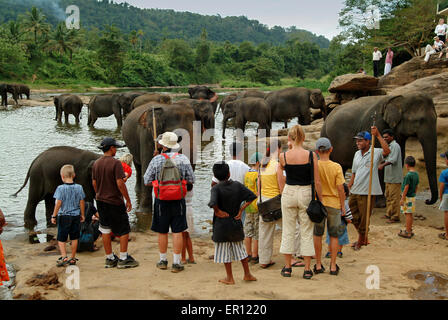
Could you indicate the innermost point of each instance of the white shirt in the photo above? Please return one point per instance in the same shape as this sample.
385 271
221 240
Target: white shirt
439 44
238 170
441 29
361 167
377 55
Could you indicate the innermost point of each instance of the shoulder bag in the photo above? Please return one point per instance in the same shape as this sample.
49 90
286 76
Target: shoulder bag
270 210
316 210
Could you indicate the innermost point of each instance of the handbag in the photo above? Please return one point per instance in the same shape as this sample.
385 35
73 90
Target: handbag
316 210
270 210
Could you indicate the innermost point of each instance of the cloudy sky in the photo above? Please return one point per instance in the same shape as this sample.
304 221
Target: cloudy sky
317 16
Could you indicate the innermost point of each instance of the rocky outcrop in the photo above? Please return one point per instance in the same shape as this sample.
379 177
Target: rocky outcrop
355 82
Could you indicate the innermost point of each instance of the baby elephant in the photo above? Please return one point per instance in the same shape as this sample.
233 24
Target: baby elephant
69 104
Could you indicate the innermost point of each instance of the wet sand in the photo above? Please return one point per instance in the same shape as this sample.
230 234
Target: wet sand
394 256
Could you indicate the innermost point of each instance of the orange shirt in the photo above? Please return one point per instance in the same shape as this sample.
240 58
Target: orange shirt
3 271
331 176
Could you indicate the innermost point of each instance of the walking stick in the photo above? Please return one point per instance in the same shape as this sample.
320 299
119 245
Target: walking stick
369 197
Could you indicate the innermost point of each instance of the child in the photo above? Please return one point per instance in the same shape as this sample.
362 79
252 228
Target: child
225 199
126 162
70 208
187 244
444 195
251 222
408 191
3 271
343 239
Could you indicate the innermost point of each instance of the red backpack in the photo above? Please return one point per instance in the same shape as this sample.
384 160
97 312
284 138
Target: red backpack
169 186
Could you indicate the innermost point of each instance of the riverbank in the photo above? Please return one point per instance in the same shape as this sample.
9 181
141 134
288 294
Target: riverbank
394 256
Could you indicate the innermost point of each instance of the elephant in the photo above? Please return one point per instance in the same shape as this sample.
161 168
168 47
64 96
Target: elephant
294 102
203 93
126 100
105 105
408 115
239 95
8 88
247 109
22 89
69 104
45 177
150 97
203 111
138 135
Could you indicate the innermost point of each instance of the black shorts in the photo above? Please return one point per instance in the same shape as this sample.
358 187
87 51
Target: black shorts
169 214
113 218
68 226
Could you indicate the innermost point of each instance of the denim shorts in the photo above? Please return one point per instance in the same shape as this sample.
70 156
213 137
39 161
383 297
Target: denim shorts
334 224
68 226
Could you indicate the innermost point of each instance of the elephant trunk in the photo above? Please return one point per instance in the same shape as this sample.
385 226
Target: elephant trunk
428 140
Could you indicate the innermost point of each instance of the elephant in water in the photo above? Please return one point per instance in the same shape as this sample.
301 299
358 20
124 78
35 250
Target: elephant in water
203 111
44 176
408 115
150 97
4 90
204 93
138 134
247 109
69 104
22 89
105 105
294 102
126 100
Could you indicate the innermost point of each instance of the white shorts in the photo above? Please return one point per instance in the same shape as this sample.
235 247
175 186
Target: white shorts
226 252
444 203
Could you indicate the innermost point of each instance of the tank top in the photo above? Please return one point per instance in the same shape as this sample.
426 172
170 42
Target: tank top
269 183
297 174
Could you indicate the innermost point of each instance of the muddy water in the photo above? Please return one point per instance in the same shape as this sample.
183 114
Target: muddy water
27 131
433 285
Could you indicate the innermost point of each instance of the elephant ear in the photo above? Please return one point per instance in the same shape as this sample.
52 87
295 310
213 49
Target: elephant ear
191 91
315 96
392 110
210 94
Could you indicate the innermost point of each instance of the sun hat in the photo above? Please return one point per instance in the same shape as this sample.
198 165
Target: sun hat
169 140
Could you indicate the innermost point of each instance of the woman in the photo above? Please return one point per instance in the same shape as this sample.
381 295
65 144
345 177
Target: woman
389 58
272 183
296 197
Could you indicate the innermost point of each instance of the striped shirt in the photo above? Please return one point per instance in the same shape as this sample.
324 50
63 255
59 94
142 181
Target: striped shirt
155 168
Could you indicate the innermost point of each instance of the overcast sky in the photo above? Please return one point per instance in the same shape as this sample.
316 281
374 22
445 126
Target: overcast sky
317 16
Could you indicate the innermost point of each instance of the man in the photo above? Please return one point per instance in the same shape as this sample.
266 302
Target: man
376 62
393 177
169 213
441 29
238 168
436 47
359 182
110 188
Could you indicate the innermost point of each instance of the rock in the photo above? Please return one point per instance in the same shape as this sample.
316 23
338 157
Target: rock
355 82
412 70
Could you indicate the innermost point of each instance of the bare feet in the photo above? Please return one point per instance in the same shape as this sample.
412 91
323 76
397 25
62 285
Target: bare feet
184 262
227 281
249 277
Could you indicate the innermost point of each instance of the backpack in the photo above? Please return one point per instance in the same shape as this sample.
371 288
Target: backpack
169 186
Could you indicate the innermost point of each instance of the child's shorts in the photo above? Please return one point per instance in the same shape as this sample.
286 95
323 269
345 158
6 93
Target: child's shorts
226 252
68 226
444 203
251 225
343 238
409 205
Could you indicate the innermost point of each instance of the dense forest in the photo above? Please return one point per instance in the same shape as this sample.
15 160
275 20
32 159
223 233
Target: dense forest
126 46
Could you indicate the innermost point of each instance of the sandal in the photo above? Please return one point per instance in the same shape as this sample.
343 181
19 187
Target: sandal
72 261
298 264
356 246
286 272
443 236
340 255
255 260
191 262
307 274
405 234
335 273
265 266
392 221
317 271
62 261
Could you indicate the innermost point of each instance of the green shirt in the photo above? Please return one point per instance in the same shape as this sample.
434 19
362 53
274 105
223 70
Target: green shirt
412 180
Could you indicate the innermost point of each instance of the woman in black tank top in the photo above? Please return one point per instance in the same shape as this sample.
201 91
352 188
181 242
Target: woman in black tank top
295 200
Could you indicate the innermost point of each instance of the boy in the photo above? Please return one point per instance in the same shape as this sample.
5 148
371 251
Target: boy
444 195
251 221
70 207
408 191
333 198
228 235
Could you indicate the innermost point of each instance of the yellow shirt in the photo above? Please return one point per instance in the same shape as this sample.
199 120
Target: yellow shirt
250 181
269 183
331 176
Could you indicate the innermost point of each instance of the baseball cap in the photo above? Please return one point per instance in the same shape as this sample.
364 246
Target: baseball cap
323 144
110 142
444 155
256 157
363 135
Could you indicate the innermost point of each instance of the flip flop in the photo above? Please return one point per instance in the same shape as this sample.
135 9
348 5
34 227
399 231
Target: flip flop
442 236
298 264
393 221
270 264
385 217
405 234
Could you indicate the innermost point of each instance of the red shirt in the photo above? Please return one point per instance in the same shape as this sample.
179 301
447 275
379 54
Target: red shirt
127 169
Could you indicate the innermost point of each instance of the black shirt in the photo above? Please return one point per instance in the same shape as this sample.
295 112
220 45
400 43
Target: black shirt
298 174
229 195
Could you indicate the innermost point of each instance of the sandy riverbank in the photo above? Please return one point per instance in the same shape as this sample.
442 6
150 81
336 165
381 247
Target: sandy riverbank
393 255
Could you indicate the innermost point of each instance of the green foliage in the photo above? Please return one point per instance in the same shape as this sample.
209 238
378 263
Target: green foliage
13 60
111 49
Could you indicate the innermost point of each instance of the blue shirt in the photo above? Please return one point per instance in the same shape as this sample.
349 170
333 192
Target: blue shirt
70 195
444 179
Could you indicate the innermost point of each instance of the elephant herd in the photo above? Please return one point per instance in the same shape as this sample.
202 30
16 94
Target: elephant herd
144 116
17 91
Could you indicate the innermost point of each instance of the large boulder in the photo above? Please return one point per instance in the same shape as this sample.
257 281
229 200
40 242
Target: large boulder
354 82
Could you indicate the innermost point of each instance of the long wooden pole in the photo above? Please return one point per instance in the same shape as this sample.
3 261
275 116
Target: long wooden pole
154 130
369 197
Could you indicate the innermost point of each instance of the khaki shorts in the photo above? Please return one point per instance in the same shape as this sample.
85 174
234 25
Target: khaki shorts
334 224
444 203
251 225
409 205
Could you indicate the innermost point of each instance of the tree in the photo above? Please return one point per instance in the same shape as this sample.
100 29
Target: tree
63 40
35 23
111 52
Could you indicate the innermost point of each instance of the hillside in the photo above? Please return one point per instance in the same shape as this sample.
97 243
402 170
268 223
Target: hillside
161 24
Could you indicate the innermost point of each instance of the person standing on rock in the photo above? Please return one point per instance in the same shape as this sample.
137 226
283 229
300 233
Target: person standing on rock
376 62
359 182
393 177
441 29
389 58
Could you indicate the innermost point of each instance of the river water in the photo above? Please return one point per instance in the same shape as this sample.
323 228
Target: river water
27 131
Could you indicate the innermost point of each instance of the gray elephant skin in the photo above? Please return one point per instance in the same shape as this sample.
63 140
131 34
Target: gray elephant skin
150 97
126 99
289 103
203 111
68 104
408 115
4 90
240 95
44 176
247 109
203 93
22 89
105 105
138 135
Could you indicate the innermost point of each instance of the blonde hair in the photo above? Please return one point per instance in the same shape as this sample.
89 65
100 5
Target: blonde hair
127 158
297 134
68 171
